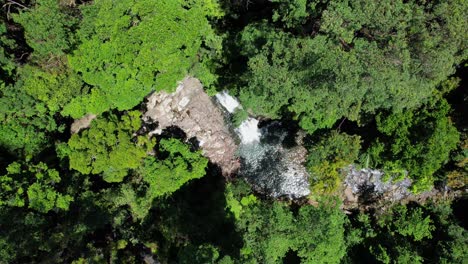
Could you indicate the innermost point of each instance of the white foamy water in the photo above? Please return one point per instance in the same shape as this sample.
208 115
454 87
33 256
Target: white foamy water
267 165
248 131
227 101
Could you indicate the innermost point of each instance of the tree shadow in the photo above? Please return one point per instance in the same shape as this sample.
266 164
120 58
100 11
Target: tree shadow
195 214
367 195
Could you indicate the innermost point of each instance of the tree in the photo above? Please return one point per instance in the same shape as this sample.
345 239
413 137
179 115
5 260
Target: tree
409 223
410 234
29 106
130 48
457 178
48 29
368 56
419 142
271 229
34 186
6 63
107 147
55 88
180 165
328 157
163 176
25 123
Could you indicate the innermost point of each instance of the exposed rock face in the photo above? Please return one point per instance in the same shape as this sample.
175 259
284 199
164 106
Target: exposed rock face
82 123
193 111
366 187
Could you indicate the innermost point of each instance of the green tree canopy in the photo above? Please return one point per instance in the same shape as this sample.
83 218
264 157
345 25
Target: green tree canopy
417 141
410 234
48 29
6 63
34 186
271 229
25 122
366 56
328 157
161 176
107 147
130 48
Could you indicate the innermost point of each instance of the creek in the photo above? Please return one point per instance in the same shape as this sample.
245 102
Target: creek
271 155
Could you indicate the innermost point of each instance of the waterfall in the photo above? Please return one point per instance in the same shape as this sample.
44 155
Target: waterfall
228 102
266 162
248 131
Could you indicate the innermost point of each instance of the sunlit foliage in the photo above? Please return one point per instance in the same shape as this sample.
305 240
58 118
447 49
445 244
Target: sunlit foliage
107 147
130 48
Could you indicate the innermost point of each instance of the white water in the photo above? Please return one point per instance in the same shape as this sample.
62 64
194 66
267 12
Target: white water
265 164
227 101
248 131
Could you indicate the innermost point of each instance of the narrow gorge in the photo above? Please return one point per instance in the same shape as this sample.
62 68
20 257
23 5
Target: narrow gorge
268 154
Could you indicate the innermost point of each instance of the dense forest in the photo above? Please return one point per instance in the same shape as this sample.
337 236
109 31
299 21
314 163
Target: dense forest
375 83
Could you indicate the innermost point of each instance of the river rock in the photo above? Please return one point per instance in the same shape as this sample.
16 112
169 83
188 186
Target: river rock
366 187
82 123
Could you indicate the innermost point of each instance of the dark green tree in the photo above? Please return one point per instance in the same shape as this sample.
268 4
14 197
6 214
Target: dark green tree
33 186
416 141
409 234
271 229
160 177
25 123
367 56
48 29
328 157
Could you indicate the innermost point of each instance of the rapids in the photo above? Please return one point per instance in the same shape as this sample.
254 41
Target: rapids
269 162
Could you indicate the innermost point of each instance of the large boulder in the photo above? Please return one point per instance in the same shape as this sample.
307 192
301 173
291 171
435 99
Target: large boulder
193 111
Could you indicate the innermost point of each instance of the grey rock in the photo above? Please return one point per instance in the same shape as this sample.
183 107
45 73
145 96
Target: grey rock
193 111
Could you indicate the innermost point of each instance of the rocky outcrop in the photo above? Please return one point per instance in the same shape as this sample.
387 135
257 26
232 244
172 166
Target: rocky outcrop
193 111
82 123
366 187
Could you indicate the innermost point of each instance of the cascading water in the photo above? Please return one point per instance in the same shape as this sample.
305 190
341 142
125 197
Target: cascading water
227 101
268 160
248 131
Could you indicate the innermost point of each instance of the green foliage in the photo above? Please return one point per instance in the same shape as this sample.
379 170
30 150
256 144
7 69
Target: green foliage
130 48
53 88
410 223
270 230
369 56
47 29
328 157
107 147
409 234
419 142
162 176
6 63
180 166
236 206
239 116
200 254
457 178
454 250
27 108
25 122
293 13
34 186
312 61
